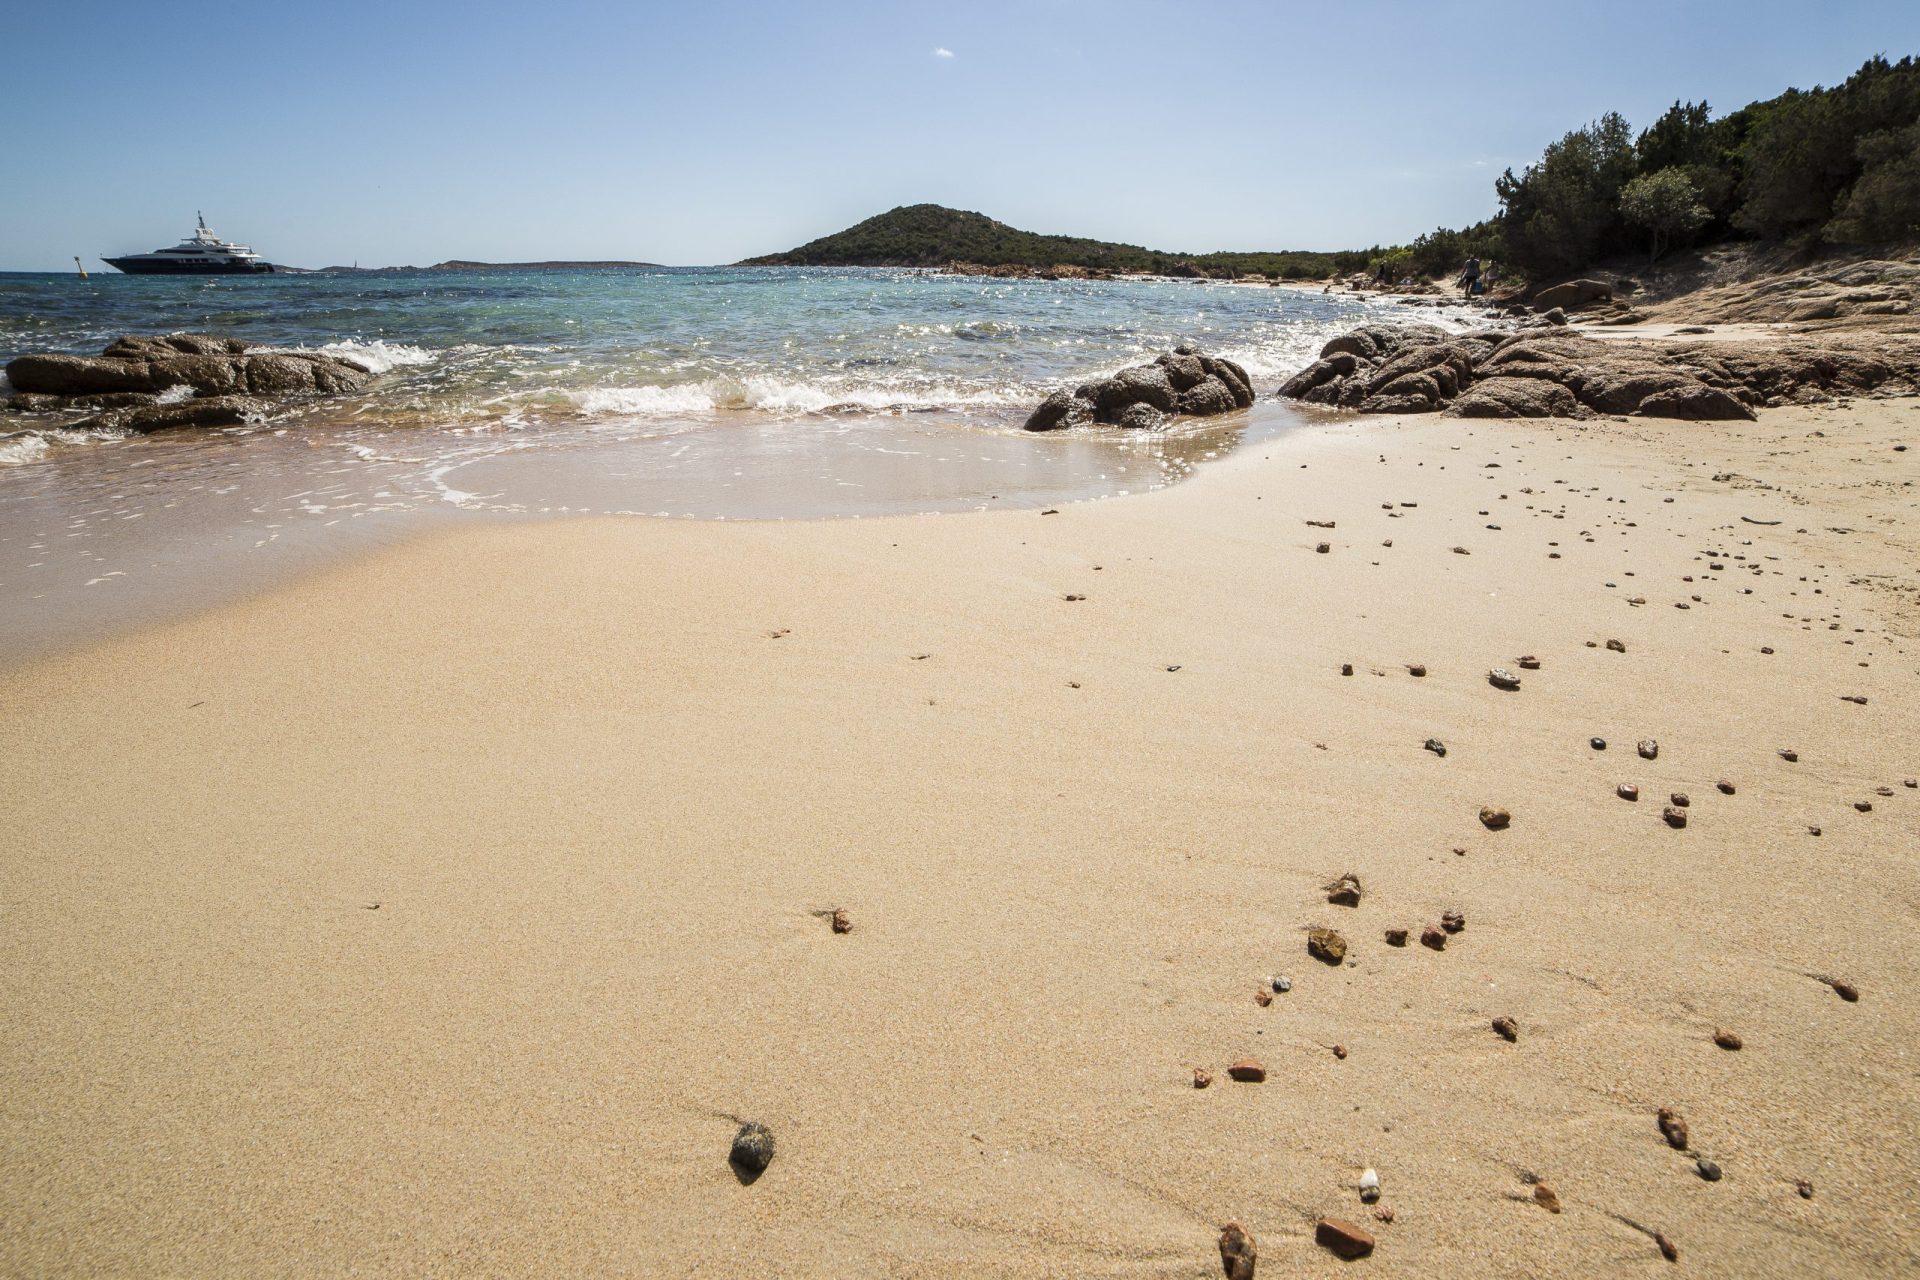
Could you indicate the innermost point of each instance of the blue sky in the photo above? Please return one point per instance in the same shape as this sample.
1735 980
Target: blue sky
414 131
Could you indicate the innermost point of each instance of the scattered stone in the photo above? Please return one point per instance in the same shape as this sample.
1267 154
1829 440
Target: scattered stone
1461 551
1323 547
752 1147
1070 598
1854 698
1452 920
1325 944
1528 663
1369 1186
1262 997
1236 1252
1675 817
1883 791
1727 1039
1282 985
1346 668
1813 831
1416 671
1789 755
1342 1238
1674 1126
1724 787
1247 1071
1805 1189
1396 937
1340 1052
1345 892
1509 1029
1598 744
1501 678
1202 1077
1618 646
1911 782
1864 806
1627 791
842 922
1707 1169
1384 1213
1667 1249
1494 819
1434 936
1679 800
1845 990
1544 1197
1436 746
1648 749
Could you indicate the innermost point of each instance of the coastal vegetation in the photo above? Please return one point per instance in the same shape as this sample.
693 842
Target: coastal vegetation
1835 166
930 235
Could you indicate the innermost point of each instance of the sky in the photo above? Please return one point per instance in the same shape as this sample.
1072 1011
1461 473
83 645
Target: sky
413 131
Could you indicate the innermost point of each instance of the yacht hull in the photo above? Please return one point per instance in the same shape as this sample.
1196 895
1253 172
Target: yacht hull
149 267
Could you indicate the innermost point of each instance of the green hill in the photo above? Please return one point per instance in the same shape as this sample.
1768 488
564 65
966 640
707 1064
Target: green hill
929 235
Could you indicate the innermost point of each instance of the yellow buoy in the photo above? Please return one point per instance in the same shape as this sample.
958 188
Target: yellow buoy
81 265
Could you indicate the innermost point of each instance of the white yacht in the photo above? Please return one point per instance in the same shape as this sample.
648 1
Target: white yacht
201 254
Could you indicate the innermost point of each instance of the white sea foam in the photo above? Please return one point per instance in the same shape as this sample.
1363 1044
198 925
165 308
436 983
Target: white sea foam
21 448
376 356
179 393
779 395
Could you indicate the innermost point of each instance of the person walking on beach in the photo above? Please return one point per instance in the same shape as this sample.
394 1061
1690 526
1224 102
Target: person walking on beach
1470 278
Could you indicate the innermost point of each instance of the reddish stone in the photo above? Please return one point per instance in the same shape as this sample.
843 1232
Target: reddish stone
1247 1071
1342 1237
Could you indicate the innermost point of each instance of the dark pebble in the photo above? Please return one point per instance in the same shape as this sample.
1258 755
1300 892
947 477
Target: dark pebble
752 1147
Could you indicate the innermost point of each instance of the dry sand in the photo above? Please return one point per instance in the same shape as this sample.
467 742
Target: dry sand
444 913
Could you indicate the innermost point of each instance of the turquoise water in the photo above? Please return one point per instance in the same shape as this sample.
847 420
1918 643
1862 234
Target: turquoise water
717 393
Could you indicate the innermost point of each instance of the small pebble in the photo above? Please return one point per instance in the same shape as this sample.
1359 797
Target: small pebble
1864 806
842 922
1436 746
1675 817
752 1147
1327 945
1434 936
1727 1039
1396 937
1342 1238
1845 990
1453 920
1345 892
1627 791
1805 1189
1494 819
1247 1071
1501 678
1340 1052
1416 670
1237 1253
1789 755
1282 985
1346 668
1263 997
1679 800
1528 663
1648 749
1708 1169
1598 744
1202 1077
1667 1249
1725 788
1323 547
1509 1029
1674 1126
1369 1186
1617 646
1544 1197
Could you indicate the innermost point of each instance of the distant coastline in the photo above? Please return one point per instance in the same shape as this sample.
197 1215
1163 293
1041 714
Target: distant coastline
464 264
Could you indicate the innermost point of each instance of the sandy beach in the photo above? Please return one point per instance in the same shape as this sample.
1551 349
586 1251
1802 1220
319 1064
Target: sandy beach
446 912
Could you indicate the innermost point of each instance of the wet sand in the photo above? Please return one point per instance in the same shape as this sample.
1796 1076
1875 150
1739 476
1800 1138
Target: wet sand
445 912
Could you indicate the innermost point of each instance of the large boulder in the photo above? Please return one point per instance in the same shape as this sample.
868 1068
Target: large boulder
1542 371
205 364
1144 396
1572 295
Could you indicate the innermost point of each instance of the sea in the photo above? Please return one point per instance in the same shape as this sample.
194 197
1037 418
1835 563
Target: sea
704 393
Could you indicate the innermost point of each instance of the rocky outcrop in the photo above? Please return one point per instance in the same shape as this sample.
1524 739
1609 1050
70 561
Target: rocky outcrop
1573 295
139 380
1545 372
205 364
1183 382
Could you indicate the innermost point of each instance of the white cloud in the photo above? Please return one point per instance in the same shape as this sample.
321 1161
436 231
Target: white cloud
943 53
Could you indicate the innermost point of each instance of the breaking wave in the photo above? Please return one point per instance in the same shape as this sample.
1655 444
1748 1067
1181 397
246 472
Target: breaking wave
777 395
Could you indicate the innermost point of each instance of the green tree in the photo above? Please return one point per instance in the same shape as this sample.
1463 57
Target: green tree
1885 203
1563 212
1666 205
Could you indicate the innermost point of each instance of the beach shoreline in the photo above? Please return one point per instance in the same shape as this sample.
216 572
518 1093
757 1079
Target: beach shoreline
449 908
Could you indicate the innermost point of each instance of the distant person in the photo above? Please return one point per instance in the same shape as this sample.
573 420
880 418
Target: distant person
1493 277
1383 276
1470 278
